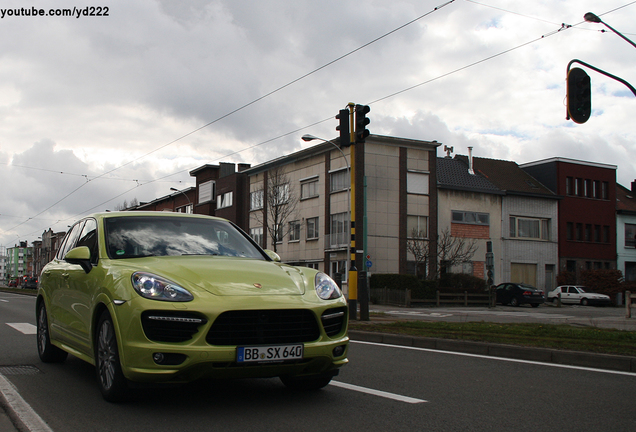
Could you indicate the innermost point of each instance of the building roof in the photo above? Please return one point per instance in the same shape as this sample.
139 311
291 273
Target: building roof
568 160
508 177
625 200
453 174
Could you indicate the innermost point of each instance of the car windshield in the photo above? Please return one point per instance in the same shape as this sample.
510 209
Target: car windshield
581 289
142 236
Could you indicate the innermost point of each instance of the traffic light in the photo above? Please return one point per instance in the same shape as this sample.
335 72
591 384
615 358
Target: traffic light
579 96
343 127
361 123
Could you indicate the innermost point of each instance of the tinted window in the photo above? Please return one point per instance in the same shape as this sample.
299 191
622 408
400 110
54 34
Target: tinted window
70 240
88 238
139 236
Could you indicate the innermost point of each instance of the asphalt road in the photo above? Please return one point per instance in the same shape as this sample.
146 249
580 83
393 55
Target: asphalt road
384 388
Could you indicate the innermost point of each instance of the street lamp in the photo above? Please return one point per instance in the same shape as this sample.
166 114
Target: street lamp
590 17
184 194
308 138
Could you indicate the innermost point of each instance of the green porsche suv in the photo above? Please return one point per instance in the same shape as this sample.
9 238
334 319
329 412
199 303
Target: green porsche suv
161 297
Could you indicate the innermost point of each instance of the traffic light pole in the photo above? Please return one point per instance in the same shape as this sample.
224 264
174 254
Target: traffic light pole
607 74
353 271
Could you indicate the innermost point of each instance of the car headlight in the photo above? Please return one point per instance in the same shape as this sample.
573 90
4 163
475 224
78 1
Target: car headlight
326 288
155 287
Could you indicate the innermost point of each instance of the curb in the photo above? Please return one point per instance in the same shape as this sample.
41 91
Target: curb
570 358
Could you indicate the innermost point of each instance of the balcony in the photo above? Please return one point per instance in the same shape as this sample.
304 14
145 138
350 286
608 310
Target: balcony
337 240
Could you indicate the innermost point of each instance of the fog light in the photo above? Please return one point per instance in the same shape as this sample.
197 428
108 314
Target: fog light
158 357
338 351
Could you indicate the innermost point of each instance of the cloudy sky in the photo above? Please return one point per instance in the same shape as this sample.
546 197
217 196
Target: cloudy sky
98 110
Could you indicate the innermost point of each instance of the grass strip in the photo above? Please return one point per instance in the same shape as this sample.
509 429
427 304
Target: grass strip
566 337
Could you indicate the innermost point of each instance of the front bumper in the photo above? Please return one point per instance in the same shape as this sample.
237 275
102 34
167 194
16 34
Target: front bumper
195 355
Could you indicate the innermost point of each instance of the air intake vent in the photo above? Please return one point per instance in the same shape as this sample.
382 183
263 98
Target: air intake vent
333 320
168 326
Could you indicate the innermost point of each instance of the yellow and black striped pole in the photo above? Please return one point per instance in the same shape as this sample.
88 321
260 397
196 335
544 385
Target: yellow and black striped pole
353 271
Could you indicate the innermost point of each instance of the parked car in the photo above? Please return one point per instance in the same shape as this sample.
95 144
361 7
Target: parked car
516 294
172 297
13 283
31 283
578 295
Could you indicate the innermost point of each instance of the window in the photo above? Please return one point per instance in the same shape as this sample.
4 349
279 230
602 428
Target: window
605 190
339 267
339 180
606 234
568 185
185 209
206 191
530 228
416 226
417 183
281 194
294 231
569 230
309 189
224 200
256 200
588 232
257 235
339 230
312 228
630 235
278 233
579 232
471 217
597 233
88 238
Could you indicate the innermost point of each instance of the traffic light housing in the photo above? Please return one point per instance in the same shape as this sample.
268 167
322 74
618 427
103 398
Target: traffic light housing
343 127
361 123
579 96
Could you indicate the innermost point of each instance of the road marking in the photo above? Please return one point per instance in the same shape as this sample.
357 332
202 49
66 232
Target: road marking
380 393
21 408
562 366
4 301
26 328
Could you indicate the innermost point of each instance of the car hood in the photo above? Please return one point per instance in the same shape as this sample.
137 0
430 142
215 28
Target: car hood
225 276
595 296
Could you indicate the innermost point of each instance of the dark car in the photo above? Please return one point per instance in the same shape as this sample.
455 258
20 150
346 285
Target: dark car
31 283
516 294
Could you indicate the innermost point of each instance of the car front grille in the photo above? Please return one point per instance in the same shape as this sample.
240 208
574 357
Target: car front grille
249 327
168 326
333 320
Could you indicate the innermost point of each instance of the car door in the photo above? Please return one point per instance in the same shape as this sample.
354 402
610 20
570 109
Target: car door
54 281
575 295
80 290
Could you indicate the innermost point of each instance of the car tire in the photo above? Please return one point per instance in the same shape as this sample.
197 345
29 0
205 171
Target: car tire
584 302
48 352
534 305
110 378
314 382
514 302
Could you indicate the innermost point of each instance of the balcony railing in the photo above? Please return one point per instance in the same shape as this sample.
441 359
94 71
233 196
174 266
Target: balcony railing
337 240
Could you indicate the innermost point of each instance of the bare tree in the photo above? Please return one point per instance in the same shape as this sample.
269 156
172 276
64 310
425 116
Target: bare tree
279 207
450 250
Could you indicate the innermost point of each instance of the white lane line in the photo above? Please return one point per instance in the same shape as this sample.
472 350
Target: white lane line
4 301
21 408
556 365
380 393
26 328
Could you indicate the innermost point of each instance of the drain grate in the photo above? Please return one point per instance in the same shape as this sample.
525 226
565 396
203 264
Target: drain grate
19 370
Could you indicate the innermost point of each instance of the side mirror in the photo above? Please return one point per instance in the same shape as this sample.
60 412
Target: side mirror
273 255
81 256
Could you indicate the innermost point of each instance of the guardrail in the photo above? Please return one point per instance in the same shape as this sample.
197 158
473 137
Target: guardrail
403 298
628 303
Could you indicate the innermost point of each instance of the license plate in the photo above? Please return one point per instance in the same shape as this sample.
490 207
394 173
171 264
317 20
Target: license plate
273 353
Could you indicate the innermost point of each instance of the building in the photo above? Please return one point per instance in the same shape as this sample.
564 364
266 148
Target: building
19 262
528 223
470 209
299 204
586 214
220 191
626 231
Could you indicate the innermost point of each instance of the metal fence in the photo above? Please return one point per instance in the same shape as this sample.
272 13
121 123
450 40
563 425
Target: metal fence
396 297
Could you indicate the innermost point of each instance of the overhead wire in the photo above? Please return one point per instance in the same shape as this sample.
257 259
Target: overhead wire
562 27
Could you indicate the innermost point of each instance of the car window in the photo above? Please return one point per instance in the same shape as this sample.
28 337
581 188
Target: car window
88 238
581 289
139 236
572 290
70 240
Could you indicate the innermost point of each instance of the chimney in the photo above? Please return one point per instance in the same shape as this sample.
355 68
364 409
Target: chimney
470 161
634 186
